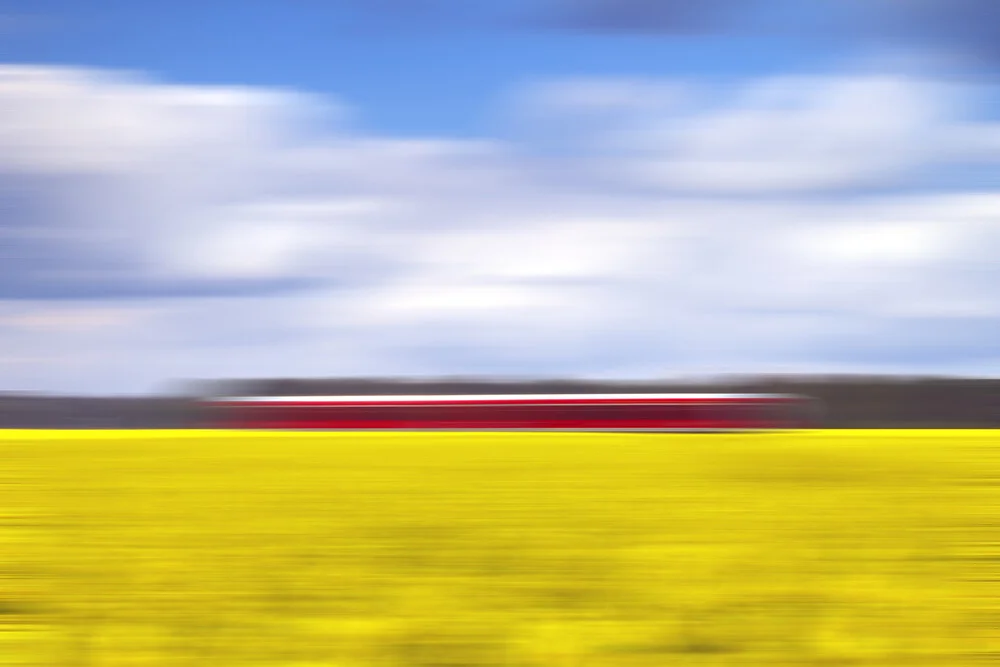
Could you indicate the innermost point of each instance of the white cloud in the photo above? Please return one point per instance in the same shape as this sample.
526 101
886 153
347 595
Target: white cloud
545 248
783 134
800 133
883 244
71 120
268 239
165 231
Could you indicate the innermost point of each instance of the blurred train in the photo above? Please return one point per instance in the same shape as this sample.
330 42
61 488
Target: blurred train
542 412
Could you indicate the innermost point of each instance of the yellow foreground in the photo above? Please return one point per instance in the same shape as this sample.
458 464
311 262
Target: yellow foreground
490 550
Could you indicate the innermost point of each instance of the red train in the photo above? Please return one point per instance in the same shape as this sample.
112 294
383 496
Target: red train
544 412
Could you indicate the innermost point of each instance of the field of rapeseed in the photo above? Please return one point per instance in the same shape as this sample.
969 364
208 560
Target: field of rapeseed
490 550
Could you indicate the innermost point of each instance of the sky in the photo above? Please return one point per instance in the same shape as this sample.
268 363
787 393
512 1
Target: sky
632 189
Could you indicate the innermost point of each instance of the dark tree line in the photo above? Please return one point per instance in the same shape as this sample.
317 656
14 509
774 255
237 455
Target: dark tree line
847 401
42 411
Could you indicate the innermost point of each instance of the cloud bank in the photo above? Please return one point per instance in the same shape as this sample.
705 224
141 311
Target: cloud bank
619 229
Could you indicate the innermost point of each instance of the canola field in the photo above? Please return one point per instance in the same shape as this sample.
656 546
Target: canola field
148 549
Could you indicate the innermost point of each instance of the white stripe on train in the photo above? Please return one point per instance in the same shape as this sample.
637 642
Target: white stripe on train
501 397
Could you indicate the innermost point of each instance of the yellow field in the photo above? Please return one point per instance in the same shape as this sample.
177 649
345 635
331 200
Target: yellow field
490 550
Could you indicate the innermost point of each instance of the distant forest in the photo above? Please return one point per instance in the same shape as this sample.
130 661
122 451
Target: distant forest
848 401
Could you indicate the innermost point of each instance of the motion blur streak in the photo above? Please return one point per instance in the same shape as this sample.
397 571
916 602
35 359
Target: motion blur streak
810 548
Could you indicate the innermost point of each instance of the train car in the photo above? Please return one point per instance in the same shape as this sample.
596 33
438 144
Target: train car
544 412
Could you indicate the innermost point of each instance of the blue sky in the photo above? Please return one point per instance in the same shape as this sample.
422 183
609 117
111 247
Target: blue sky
629 189
442 79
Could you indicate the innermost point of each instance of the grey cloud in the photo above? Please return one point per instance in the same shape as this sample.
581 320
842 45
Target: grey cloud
59 287
51 251
653 16
421 16
967 27
644 16
970 28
